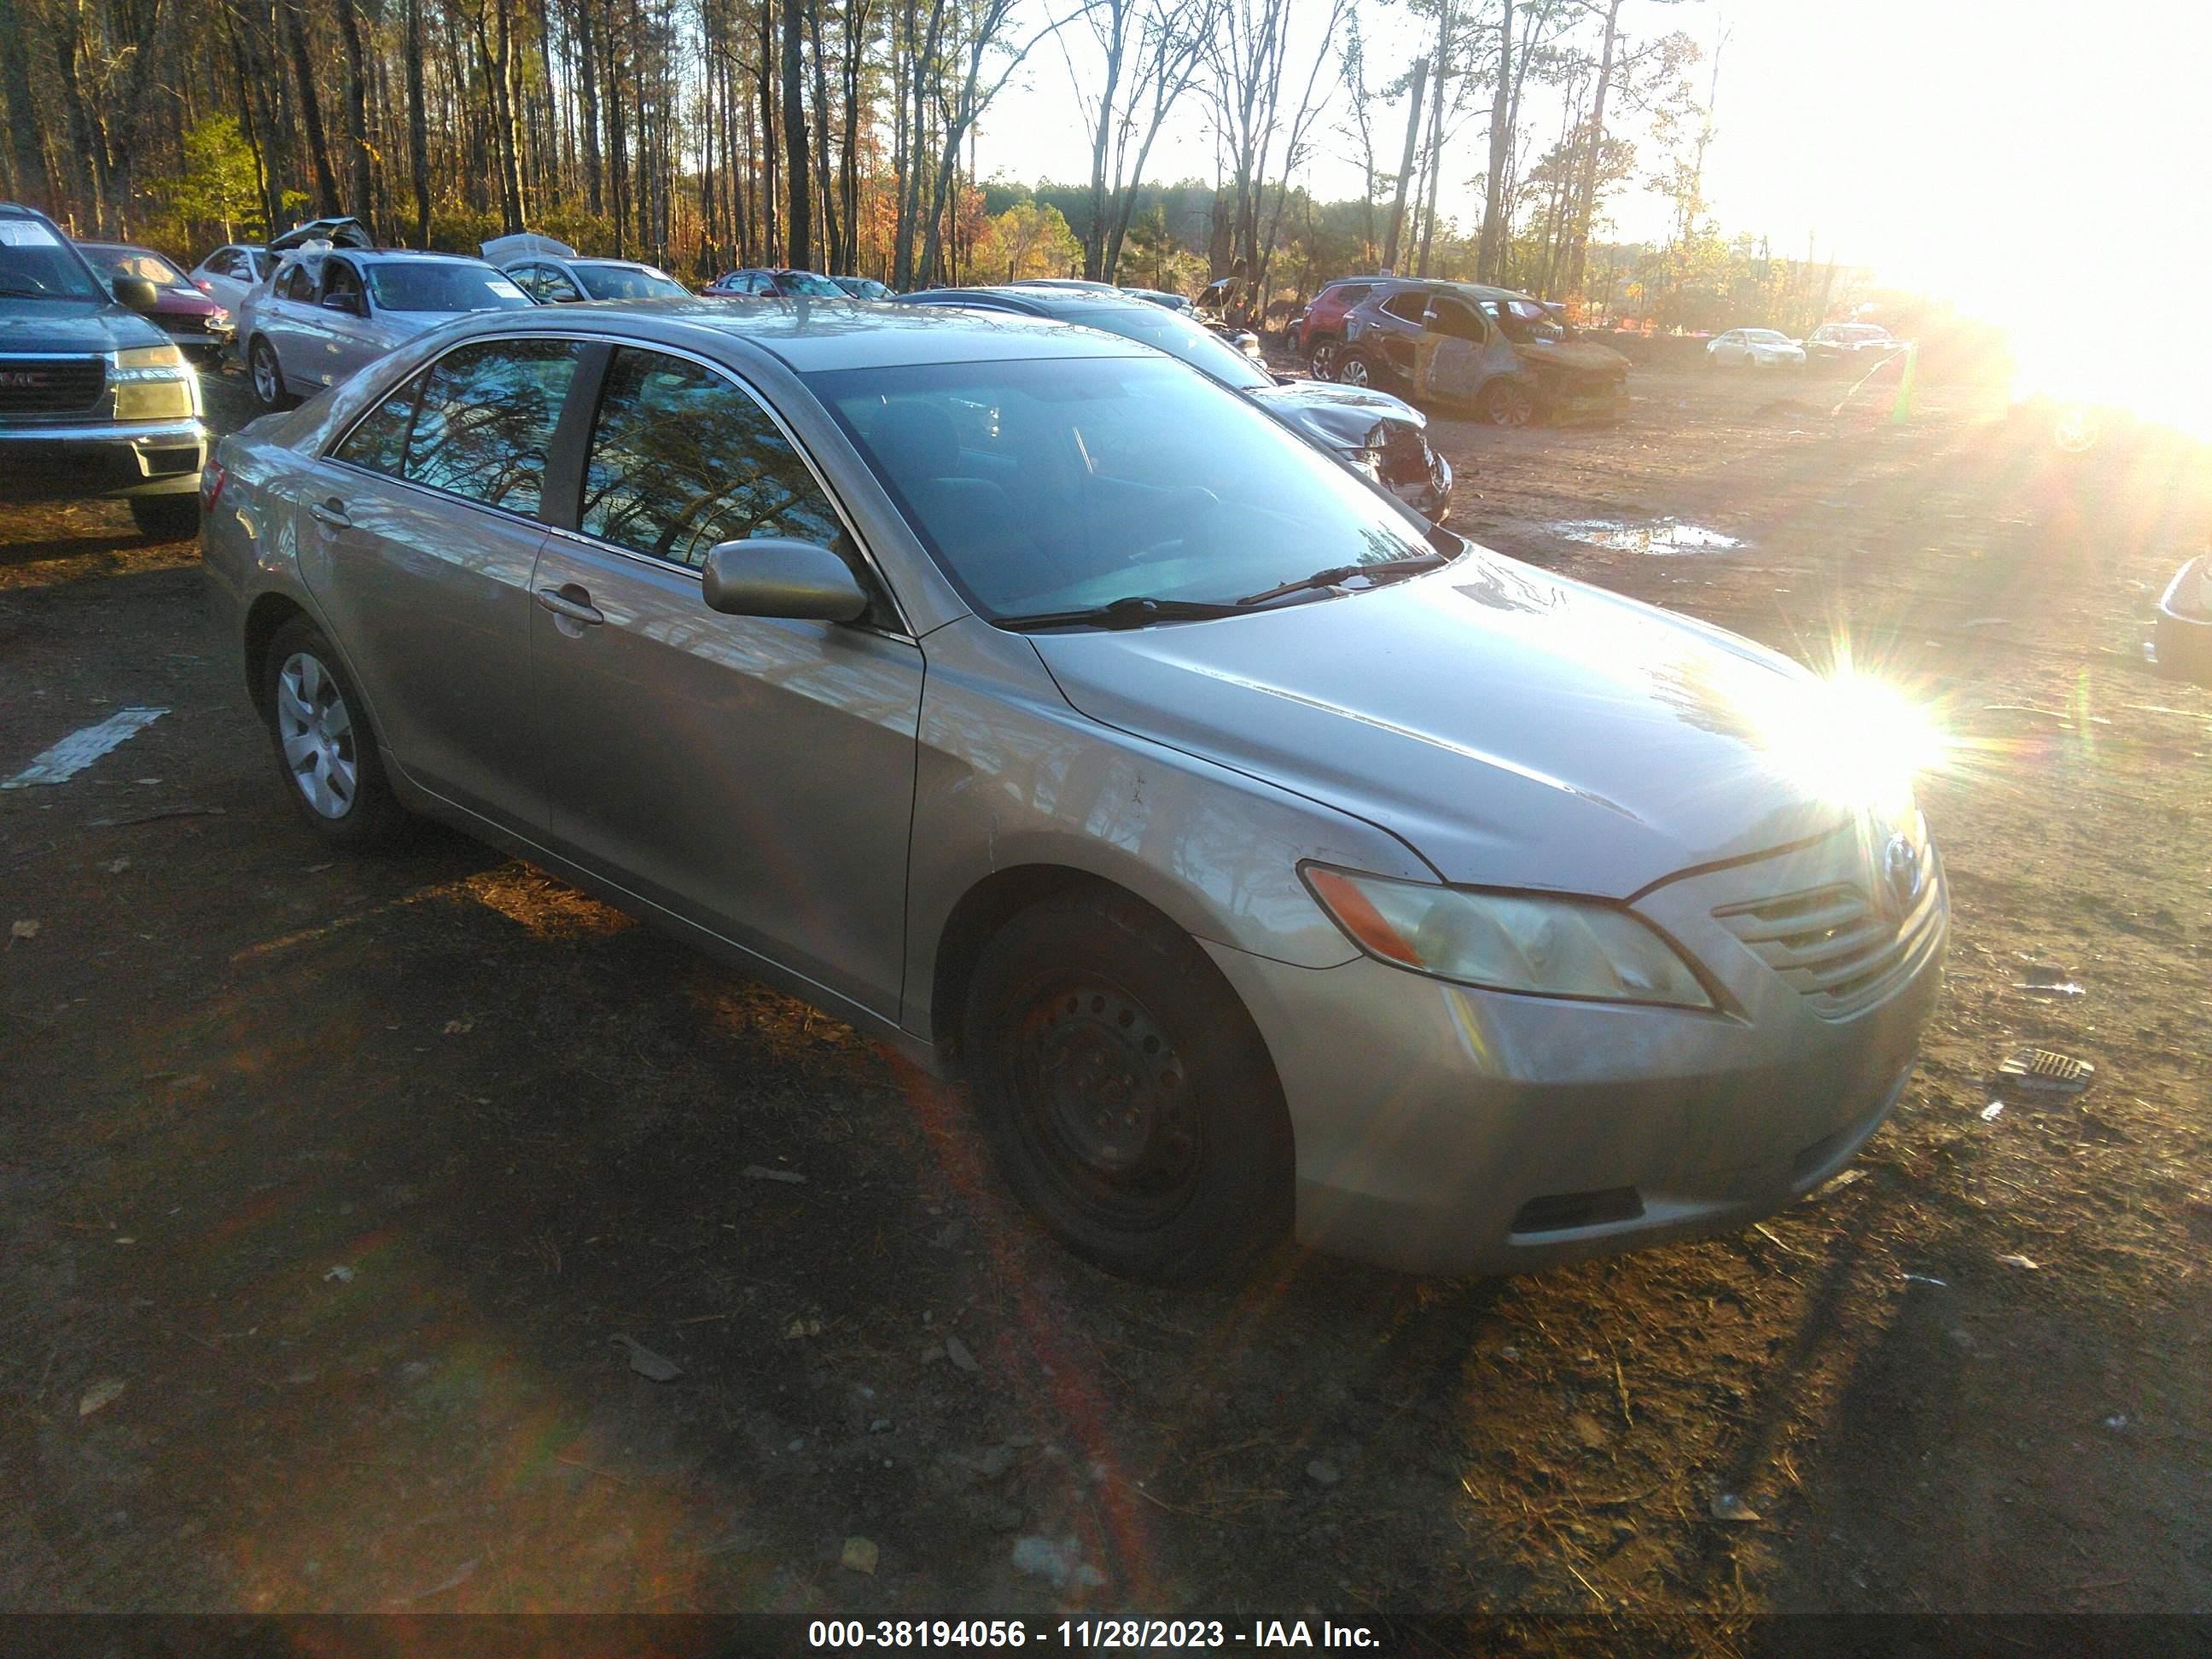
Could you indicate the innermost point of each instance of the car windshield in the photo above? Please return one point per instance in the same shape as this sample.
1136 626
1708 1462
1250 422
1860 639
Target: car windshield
1177 335
1058 484
36 264
138 262
612 282
806 282
442 285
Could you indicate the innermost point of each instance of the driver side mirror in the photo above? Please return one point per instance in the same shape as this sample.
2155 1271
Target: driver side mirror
137 294
779 576
351 304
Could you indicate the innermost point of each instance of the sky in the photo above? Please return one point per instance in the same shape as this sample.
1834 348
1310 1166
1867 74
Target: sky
1994 152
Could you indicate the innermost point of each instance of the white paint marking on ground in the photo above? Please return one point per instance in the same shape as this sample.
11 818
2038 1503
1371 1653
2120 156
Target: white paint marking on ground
80 748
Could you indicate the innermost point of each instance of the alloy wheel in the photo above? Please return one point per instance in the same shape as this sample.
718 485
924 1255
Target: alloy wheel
316 731
266 381
1352 371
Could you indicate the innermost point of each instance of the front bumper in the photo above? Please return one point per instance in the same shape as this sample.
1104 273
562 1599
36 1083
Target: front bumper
1429 495
2182 636
1444 1129
101 459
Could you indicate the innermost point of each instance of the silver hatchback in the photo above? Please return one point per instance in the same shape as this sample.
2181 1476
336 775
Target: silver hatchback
1265 860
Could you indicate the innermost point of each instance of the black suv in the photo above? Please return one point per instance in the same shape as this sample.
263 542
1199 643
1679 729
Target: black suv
94 400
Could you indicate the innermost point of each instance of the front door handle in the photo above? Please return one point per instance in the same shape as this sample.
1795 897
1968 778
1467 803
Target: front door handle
572 602
331 513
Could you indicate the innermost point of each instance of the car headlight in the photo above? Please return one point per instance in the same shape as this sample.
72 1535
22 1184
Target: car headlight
152 383
1541 944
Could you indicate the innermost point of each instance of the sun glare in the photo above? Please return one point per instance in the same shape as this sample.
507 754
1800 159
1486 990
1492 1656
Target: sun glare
1851 739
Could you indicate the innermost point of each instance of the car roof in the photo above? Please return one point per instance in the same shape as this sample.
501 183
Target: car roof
811 336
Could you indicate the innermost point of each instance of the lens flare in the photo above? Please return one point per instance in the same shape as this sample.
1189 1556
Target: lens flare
1851 739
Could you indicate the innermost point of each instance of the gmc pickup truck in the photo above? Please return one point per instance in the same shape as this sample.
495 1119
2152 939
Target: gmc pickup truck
95 402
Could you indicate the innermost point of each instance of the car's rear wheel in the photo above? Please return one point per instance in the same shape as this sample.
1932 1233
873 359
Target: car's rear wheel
1125 1093
325 748
1355 368
166 517
268 375
1506 402
1322 361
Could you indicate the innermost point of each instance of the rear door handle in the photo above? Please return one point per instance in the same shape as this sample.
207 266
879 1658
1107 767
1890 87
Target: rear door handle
331 513
572 602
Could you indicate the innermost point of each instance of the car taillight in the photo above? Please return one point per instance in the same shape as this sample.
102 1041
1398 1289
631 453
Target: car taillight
212 481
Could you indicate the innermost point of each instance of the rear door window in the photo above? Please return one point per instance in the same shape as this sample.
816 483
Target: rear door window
682 459
486 419
377 441
1411 305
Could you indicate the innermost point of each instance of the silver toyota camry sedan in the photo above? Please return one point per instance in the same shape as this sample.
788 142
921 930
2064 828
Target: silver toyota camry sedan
1265 861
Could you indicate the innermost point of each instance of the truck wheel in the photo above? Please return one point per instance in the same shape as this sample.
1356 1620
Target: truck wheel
1125 1093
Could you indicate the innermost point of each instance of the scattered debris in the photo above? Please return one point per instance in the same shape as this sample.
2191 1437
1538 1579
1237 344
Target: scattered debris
2044 1071
459 1027
1923 1279
956 1351
65 759
1660 536
100 1396
1845 1177
2116 1421
2040 979
2020 1262
460 1576
880 1426
801 1327
1993 1111
27 929
762 1172
1322 1473
1729 1507
1059 1564
646 1363
116 866
860 1555
156 815
343 1275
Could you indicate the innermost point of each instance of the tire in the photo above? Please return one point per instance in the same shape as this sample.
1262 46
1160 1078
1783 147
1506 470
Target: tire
267 375
1125 1093
1322 360
1506 402
166 517
1355 368
326 753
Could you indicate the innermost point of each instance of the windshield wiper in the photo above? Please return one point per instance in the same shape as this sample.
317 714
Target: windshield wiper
1344 573
1132 610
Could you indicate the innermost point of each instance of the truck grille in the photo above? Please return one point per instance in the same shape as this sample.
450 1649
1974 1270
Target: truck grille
1834 946
50 385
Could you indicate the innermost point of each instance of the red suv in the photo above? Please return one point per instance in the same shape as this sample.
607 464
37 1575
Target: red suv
1321 329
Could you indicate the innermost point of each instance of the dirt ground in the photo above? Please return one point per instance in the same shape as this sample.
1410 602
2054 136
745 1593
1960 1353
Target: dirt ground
349 1175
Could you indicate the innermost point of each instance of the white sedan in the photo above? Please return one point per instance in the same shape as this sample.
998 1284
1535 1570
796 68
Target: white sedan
1755 348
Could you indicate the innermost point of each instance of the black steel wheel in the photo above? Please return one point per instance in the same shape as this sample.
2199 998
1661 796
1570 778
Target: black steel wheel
1127 1097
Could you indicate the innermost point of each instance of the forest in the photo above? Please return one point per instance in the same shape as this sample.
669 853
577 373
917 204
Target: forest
840 134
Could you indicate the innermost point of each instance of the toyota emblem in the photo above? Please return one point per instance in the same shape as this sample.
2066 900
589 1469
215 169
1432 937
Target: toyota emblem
1901 871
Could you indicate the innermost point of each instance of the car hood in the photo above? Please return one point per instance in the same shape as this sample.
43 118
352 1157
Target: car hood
1340 415
73 325
1515 728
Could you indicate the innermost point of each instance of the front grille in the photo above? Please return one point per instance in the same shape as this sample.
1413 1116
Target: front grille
1405 457
50 385
1834 946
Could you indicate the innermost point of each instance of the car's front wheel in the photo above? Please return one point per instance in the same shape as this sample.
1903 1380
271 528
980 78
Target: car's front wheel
1125 1093
1506 402
166 517
325 748
268 375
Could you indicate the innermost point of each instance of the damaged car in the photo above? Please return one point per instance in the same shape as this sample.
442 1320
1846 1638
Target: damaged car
1502 354
2182 641
1383 438
554 274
